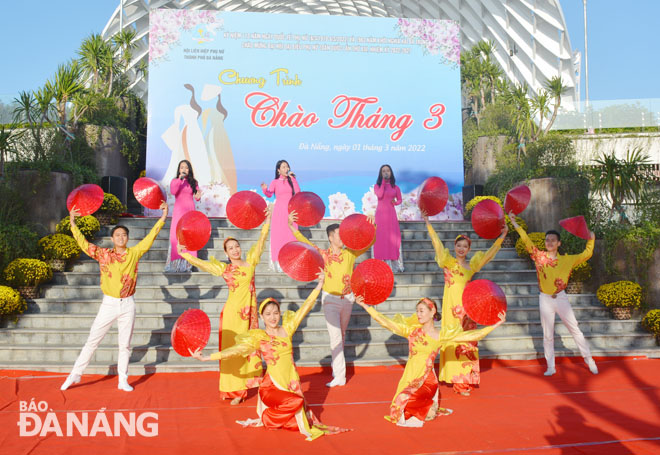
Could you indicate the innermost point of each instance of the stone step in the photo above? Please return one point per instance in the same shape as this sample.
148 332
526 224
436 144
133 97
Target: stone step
393 346
265 279
180 364
526 303
417 257
160 253
282 291
223 223
156 329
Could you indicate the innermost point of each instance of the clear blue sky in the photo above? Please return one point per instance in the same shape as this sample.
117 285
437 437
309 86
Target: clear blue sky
624 61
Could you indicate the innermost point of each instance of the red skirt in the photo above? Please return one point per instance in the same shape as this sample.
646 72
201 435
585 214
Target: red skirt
282 406
421 401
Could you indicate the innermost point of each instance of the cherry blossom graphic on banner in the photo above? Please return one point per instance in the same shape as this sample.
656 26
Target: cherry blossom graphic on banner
335 96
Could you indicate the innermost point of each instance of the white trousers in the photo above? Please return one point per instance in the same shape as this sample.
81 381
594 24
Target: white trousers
112 309
337 313
560 305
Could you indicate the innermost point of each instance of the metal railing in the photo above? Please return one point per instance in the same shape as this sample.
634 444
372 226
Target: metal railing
630 113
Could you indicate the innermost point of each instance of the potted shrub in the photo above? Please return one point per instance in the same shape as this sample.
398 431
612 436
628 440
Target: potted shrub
620 297
109 210
579 275
88 226
27 274
57 249
651 322
11 302
538 238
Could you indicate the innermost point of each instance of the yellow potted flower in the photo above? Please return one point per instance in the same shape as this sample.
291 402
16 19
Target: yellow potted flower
620 297
11 302
57 249
109 210
651 322
27 274
579 275
88 226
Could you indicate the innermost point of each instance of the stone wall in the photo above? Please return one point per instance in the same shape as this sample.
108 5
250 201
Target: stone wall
106 142
551 200
45 198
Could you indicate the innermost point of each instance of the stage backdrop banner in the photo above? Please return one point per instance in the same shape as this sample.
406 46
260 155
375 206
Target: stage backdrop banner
335 96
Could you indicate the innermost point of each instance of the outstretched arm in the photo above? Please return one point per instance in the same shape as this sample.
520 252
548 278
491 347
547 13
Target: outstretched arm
238 350
293 217
588 251
254 255
144 244
441 253
306 307
397 328
481 259
476 335
529 245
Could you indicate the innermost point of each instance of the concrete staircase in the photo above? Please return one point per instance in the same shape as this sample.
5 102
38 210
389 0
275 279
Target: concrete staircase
52 332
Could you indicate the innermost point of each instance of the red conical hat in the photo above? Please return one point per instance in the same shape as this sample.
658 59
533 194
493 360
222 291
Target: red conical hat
433 196
483 300
576 226
245 209
308 206
356 231
372 279
193 230
148 193
300 261
87 198
517 199
488 219
191 331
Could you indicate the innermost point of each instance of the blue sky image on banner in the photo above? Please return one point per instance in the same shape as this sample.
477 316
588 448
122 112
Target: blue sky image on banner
336 97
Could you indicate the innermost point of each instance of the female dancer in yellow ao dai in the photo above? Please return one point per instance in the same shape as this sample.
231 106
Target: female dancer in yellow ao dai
239 313
281 403
459 362
416 397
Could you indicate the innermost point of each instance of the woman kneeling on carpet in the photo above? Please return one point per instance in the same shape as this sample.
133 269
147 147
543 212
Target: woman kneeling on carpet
416 398
281 403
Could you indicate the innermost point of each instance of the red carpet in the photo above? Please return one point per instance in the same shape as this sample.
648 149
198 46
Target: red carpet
516 410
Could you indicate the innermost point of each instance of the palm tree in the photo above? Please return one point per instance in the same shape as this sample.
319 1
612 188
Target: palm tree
541 106
522 115
94 55
621 180
556 89
124 41
66 84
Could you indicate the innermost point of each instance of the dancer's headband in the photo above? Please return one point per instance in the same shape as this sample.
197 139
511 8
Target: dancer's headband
266 302
428 302
463 237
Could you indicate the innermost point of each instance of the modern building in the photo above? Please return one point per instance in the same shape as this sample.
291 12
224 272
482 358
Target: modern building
531 37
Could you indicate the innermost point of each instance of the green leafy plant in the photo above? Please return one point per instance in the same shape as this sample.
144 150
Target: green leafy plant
537 238
620 294
59 246
11 302
17 241
27 272
88 226
651 322
621 180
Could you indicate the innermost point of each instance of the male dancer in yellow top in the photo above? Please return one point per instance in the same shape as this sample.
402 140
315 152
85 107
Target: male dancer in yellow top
337 298
119 266
553 270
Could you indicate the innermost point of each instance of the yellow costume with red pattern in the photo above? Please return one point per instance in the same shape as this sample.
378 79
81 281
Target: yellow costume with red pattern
281 403
118 271
238 315
419 371
459 362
